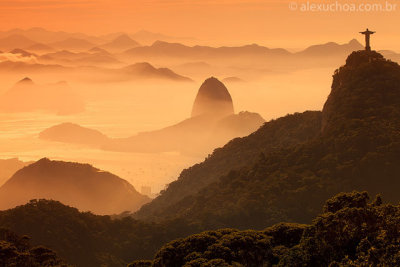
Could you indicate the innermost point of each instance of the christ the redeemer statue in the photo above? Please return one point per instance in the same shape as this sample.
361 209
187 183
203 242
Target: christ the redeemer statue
367 34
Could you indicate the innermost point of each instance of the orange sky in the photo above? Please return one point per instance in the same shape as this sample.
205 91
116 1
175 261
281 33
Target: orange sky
268 22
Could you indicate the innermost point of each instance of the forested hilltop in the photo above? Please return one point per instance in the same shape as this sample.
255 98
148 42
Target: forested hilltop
84 239
349 232
356 147
17 251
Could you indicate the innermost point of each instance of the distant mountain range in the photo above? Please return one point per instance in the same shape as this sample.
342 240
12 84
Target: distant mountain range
43 36
139 71
93 57
165 49
55 50
170 50
119 41
79 185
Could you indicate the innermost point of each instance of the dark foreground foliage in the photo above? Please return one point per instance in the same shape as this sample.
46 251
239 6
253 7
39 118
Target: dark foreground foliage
350 232
16 251
85 239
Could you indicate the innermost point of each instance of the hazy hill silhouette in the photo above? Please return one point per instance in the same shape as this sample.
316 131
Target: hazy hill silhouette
39 48
75 134
87 58
147 71
251 57
21 67
27 96
353 146
64 55
120 44
148 37
232 80
331 49
8 167
98 50
79 185
74 44
15 41
391 55
213 99
41 35
165 49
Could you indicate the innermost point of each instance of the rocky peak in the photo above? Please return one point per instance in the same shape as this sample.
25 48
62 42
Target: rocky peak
213 99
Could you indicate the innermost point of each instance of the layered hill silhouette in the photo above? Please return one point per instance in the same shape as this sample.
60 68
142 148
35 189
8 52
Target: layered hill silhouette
41 35
40 48
74 44
212 124
332 49
233 61
40 41
352 145
170 50
120 44
15 41
93 57
247 61
165 49
232 79
99 64
75 134
8 167
27 96
144 70
78 185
